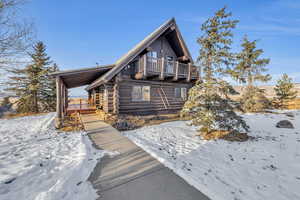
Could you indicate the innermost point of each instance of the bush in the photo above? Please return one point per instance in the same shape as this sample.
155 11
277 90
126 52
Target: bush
5 102
254 100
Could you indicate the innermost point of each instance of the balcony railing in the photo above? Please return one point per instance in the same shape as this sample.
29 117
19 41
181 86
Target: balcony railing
153 65
165 68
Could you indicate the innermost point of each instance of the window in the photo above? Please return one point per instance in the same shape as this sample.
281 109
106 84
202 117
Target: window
152 54
180 93
146 93
170 65
177 93
140 93
183 94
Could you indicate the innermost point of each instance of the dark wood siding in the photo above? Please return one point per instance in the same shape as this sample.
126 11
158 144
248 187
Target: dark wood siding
162 98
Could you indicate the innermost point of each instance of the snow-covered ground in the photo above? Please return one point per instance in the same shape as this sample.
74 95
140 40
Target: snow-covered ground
267 167
39 163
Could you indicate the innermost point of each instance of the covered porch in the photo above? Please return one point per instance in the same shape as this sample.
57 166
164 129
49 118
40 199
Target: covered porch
69 79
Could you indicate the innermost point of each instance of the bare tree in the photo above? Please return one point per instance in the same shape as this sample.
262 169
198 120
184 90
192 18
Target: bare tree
15 33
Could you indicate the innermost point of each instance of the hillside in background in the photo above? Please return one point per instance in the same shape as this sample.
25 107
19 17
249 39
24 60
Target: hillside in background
269 89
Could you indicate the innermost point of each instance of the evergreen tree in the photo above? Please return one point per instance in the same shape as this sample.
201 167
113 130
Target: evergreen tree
250 66
253 99
48 92
32 84
36 73
19 84
208 104
249 69
284 90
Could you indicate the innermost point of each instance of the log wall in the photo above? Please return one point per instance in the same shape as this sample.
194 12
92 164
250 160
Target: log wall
157 104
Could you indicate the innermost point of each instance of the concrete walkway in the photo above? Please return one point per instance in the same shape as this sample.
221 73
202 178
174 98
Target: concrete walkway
132 174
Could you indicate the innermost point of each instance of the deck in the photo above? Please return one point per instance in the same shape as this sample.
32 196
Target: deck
81 108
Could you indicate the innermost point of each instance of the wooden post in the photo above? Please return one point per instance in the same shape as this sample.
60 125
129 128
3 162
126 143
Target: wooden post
116 98
63 100
162 69
176 70
189 72
79 104
145 65
89 97
67 97
94 97
58 122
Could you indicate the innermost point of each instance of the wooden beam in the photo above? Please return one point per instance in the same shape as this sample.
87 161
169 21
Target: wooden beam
162 69
183 58
176 71
145 65
189 72
63 100
67 98
58 122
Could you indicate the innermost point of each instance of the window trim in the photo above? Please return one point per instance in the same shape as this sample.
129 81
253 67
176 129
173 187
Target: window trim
142 89
178 92
182 93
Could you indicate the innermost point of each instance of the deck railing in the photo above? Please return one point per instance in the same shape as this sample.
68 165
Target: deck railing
155 66
169 67
183 69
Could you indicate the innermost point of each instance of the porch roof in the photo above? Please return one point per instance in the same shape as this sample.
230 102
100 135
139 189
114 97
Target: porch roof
83 76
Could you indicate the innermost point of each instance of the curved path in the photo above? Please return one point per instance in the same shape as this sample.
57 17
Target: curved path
132 174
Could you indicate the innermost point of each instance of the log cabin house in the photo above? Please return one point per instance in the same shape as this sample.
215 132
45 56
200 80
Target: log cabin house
153 77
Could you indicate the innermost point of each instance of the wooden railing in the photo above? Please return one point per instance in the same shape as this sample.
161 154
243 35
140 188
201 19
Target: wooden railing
163 68
169 67
183 69
153 65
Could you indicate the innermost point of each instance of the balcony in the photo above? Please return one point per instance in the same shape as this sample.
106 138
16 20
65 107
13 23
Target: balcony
162 68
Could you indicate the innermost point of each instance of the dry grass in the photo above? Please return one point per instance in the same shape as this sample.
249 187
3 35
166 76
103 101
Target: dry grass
292 104
72 123
225 135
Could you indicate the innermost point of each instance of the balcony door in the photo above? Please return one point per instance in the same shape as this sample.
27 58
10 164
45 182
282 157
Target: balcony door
152 61
170 65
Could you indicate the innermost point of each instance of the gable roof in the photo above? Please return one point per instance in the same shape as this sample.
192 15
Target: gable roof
139 48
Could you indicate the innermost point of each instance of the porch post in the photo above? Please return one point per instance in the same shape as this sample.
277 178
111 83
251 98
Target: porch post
66 97
162 69
189 72
176 70
58 122
145 66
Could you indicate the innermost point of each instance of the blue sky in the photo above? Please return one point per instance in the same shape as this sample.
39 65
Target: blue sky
81 33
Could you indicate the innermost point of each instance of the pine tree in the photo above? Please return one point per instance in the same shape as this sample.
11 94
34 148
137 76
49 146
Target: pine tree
284 90
29 84
208 104
249 69
48 92
19 84
36 72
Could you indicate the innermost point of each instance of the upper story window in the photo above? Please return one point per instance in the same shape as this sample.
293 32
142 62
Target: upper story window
152 54
170 65
140 93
